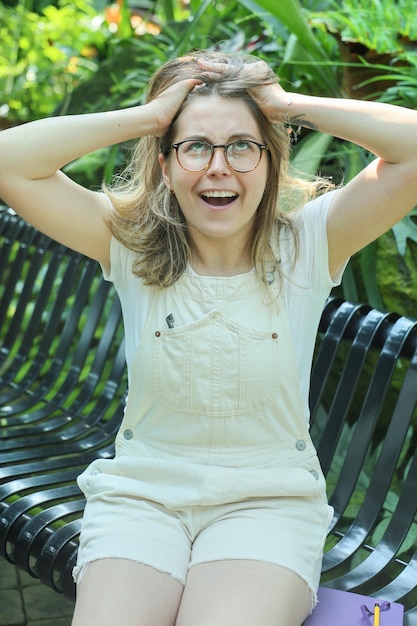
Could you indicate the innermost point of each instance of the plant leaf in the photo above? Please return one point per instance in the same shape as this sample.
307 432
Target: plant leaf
406 229
310 152
291 15
368 258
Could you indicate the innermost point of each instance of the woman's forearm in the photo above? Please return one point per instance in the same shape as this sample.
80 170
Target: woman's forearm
388 131
38 149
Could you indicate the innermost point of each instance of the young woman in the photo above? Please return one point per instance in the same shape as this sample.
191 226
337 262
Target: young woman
213 511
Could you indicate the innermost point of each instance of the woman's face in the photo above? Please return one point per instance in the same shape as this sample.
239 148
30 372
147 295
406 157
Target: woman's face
218 203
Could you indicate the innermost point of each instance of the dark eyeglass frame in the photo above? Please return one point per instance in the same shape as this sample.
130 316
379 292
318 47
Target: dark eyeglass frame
175 146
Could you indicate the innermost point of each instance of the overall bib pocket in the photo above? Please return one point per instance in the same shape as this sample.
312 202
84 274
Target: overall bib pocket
215 367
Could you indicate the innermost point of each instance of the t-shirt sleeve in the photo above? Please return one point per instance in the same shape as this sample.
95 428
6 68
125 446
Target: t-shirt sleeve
312 266
121 260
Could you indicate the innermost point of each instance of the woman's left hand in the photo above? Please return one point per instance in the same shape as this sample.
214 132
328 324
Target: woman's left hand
261 83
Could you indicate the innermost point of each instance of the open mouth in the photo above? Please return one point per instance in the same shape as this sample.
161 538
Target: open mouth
219 198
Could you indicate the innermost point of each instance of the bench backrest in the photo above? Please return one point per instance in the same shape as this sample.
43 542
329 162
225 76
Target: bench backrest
62 394
363 400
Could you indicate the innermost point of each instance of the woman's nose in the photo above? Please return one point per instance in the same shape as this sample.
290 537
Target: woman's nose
218 162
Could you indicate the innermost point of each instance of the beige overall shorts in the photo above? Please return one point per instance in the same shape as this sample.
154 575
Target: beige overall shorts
213 459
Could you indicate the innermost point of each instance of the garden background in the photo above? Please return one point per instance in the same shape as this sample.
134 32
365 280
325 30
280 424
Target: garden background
73 57
81 56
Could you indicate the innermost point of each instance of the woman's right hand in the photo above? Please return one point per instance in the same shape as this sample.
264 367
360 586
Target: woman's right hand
165 106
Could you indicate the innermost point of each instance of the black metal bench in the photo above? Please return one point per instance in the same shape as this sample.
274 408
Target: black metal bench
62 389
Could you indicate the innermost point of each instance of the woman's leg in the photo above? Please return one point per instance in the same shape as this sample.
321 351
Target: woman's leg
243 593
126 593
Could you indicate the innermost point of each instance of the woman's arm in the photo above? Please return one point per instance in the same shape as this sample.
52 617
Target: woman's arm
32 155
31 181
386 190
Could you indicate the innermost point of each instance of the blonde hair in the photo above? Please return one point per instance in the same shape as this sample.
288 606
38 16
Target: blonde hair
147 218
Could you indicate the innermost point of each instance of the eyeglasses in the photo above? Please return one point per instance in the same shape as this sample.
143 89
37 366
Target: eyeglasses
242 155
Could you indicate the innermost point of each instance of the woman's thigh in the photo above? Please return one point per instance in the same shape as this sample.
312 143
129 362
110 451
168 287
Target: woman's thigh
243 593
123 592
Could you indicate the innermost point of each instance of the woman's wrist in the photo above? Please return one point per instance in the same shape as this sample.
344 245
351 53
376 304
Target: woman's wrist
290 101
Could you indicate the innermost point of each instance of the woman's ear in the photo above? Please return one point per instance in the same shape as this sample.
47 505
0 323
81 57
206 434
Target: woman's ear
165 173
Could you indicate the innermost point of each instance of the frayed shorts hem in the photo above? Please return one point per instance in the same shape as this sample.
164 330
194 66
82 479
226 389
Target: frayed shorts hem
80 570
311 588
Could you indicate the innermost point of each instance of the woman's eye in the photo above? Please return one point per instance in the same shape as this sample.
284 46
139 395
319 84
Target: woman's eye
197 147
241 146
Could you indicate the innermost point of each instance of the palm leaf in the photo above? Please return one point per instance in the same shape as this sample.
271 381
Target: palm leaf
303 47
309 154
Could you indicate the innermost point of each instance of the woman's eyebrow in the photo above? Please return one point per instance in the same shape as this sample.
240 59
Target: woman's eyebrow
234 137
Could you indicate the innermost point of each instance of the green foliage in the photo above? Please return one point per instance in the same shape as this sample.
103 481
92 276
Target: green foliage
42 59
376 24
